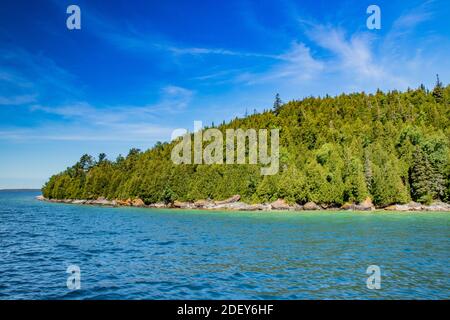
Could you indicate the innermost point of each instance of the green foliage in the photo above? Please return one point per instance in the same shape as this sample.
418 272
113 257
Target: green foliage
293 186
168 195
393 147
421 185
355 187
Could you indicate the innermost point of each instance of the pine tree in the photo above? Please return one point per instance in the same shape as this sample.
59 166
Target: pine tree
168 195
355 182
438 91
387 184
277 104
86 162
422 88
101 157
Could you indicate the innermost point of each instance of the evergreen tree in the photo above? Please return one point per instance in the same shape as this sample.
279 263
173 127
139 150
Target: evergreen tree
355 182
421 186
277 104
387 184
101 157
135 151
168 195
86 162
438 91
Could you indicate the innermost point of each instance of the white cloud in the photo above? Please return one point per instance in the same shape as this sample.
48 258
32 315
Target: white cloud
17 100
133 133
413 18
295 64
175 99
85 122
26 77
352 54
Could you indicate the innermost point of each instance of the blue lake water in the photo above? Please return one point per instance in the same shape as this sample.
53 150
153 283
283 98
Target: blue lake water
130 253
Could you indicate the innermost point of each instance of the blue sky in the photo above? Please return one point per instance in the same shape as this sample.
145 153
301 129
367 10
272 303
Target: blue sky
139 69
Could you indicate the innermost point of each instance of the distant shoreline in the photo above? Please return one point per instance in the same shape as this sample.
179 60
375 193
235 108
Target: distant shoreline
20 189
236 205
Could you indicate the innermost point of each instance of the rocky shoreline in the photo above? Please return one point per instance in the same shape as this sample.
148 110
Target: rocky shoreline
234 204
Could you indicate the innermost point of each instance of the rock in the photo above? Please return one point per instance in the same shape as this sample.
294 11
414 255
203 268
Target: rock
183 205
232 199
40 198
203 204
251 207
238 206
397 207
102 202
79 201
297 207
229 206
311 206
280 204
258 207
138 203
127 202
178 204
348 206
414 206
438 206
158 205
366 205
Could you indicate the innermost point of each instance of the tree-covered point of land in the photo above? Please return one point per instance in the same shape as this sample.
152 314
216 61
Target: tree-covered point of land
393 147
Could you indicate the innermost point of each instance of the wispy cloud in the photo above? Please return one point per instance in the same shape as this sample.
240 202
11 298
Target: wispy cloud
25 77
131 40
295 64
173 99
413 17
352 53
82 121
125 36
17 100
133 133
36 83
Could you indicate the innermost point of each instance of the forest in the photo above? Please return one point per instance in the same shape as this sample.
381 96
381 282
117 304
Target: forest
393 147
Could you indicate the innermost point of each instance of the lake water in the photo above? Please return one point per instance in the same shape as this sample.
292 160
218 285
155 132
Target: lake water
130 253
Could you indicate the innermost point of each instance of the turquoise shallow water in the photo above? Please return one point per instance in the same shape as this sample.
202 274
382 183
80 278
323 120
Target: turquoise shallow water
127 253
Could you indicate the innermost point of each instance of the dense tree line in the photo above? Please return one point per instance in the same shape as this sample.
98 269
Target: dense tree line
393 147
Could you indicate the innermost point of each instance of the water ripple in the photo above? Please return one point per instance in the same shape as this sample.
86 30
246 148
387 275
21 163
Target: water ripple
130 253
